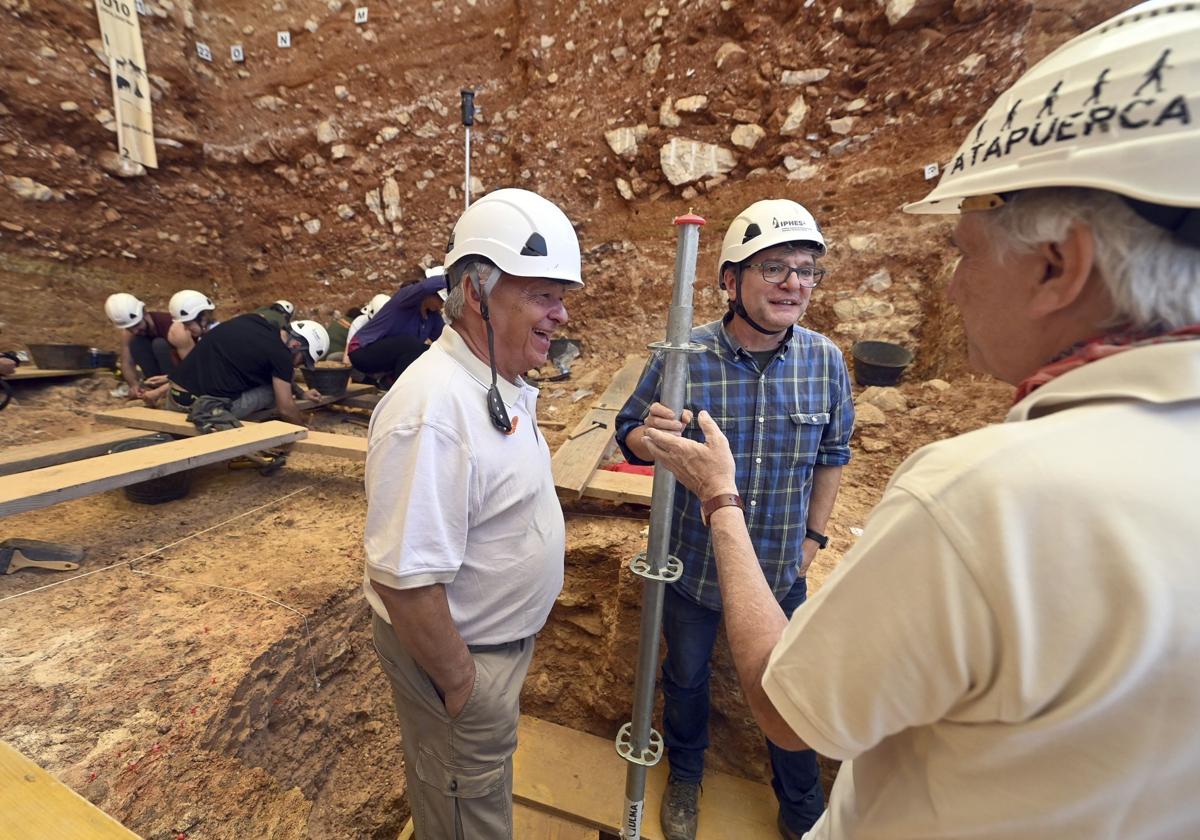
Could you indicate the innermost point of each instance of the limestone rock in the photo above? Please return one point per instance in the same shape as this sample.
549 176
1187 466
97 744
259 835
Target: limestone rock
937 384
313 226
652 59
428 131
691 104
68 107
870 444
856 105
375 205
797 78
625 189
684 161
667 116
623 142
391 200
885 399
803 173
31 190
910 14
730 55
341 92
797 113
345 212
868 415
879 281
843 125
862 308
861 242
326 132
269 103
972 64
968 11
871 175
747 136
388 133
122 167
340 150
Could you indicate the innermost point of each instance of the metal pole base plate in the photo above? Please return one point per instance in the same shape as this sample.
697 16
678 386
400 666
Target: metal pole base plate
672 572
648 757
690 347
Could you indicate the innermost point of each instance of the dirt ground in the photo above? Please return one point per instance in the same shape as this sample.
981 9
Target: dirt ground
213 676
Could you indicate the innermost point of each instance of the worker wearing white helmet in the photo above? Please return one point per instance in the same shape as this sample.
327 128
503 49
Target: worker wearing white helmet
1009 650
464 535
152 344
365 314
401 327
246 364
194 312
279 312
788 391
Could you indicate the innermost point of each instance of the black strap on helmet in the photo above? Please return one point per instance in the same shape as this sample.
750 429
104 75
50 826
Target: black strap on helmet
736 308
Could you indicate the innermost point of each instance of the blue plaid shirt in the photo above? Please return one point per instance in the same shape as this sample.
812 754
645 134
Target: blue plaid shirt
781 422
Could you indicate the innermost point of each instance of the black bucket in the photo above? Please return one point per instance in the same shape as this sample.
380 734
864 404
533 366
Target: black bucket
59 356
879 362
98 358
155 491
330 381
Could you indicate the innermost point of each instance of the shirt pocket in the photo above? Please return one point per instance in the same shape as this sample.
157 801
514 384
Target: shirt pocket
808 427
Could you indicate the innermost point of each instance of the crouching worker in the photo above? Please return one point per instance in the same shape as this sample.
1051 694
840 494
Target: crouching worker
246 364
152 343
400 330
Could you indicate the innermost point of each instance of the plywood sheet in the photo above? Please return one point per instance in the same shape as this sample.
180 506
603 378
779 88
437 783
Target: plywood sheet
50 485
48 373
578 457
34 456
582 778
34 806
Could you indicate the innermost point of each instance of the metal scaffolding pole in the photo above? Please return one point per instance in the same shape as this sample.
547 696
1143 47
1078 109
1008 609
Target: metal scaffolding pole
468 120
637 742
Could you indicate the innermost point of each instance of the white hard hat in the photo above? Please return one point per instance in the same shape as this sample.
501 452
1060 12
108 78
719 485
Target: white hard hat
124 310
314 336
1116 108
187 304
375 304
523 234
285 306
766 223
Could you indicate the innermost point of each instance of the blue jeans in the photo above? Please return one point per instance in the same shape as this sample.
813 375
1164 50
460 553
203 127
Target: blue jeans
691 631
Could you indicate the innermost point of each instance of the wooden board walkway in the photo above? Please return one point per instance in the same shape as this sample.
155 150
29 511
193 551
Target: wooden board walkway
50 485
624 488
174 423
576 460
353 390
581 777
35 806
34 456
532 824
24 372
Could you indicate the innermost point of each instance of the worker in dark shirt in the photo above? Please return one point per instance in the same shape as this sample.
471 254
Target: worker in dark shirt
401 330
250 362
278 313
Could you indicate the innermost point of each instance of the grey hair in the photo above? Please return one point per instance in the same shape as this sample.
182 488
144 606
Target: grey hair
456 300
1153 278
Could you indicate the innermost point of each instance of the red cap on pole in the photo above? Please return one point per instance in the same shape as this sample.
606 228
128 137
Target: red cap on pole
689 218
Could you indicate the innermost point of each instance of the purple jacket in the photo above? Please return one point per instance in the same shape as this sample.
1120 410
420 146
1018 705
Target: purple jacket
402 315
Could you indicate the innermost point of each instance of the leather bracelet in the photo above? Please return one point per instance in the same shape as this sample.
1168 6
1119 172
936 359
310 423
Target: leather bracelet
816 536
709 506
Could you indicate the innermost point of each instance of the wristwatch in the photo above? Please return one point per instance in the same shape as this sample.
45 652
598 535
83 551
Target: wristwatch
816 536
708 506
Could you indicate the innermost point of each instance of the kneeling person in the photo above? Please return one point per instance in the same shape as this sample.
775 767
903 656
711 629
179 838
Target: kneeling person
249 362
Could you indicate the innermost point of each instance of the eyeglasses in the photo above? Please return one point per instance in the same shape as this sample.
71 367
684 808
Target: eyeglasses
777 273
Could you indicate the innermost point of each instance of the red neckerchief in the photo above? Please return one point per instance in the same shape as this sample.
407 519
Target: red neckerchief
1100 347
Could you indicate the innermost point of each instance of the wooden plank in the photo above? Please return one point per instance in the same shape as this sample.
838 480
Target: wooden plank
530 823
578 457
626 488
354 389
582 778
50 485
174 423
47 453
49 373
35 805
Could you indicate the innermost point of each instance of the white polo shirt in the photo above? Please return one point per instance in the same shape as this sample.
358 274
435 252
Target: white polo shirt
452 499
1012 649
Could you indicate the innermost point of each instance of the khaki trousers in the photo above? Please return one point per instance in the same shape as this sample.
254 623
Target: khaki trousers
460 771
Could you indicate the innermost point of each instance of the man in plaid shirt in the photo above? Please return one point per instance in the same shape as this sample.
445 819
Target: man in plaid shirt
781 394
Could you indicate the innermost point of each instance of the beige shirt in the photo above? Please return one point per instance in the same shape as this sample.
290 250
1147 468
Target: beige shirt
1012 650
451 499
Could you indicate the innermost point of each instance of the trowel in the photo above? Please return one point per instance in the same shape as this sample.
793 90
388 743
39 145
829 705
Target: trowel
16 554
